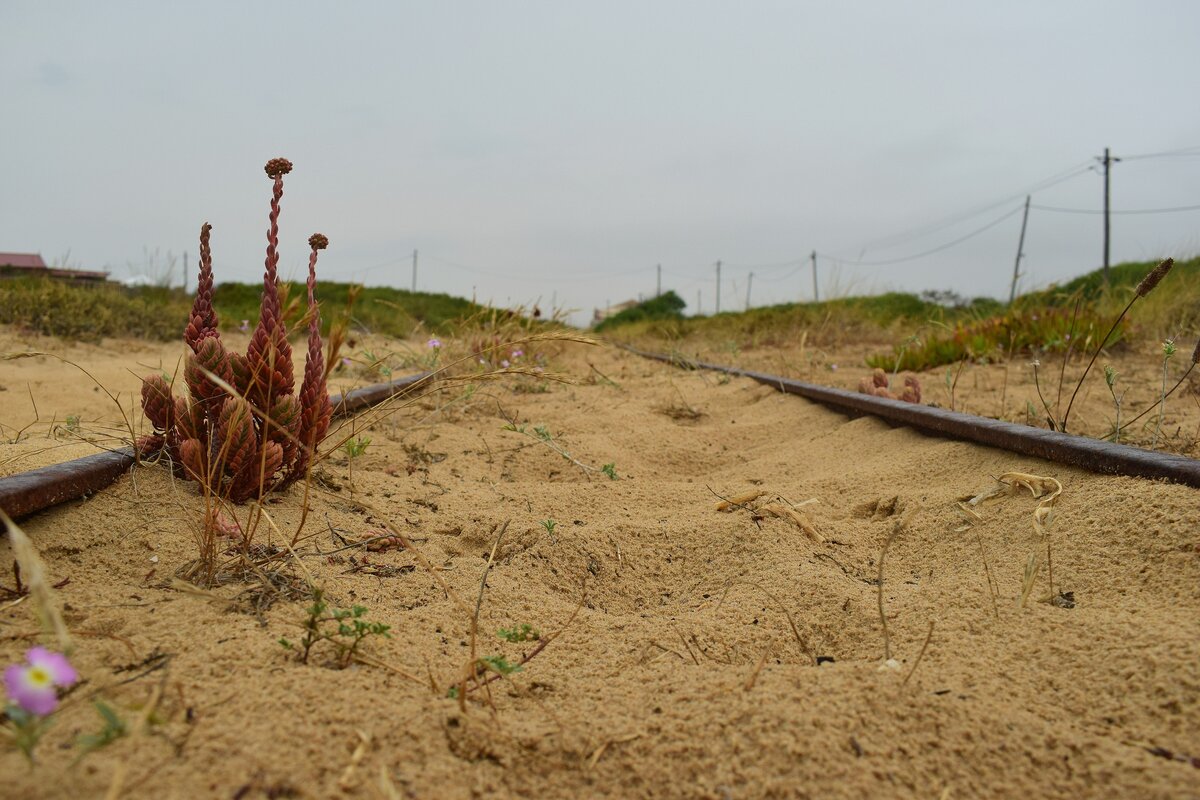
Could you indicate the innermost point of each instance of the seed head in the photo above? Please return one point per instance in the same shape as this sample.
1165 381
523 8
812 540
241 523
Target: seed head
278 167
1169 348
1156 275
1110 375
318 241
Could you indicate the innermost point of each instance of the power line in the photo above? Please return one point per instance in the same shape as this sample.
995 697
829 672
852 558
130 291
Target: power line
930 252
1061 210
773 265
947 222
1194 150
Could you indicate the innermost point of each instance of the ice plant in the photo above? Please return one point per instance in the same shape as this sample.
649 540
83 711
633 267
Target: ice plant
32 690
242 430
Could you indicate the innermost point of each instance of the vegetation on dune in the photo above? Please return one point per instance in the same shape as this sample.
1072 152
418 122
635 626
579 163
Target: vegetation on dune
62 309
938 328
89 313
377 309
668 306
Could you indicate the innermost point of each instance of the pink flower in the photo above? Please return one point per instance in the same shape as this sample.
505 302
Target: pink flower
245 326
517 354
433 344
34 686
505 364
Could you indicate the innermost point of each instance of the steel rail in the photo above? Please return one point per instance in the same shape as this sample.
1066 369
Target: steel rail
1078 451
38 489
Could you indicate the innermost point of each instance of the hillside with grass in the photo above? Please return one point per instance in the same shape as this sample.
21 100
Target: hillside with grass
89 313
933 329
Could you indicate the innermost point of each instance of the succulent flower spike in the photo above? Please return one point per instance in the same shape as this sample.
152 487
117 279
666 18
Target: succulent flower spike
314 397
203 321
262 435
269 355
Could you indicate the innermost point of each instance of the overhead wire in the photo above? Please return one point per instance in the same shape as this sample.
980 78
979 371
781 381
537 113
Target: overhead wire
1061 210
915 233
1194 150
931 251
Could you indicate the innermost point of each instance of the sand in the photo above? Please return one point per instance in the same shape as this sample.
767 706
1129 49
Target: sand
689 669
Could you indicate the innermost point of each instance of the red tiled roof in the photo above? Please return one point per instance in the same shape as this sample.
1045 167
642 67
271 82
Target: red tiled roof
25 260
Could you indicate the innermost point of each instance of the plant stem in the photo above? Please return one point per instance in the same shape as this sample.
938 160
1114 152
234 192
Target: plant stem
1096 355
1169 393
1162 405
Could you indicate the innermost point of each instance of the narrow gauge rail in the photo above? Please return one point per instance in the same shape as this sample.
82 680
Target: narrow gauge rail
38 489
1078 451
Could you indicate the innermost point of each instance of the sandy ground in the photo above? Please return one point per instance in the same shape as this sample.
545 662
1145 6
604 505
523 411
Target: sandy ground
689 670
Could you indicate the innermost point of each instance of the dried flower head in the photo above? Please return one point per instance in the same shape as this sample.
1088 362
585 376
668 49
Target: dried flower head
1157 274
318 241
1169 348
278 167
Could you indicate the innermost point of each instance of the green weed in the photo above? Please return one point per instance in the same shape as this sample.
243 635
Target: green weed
344 629
519 633
356 446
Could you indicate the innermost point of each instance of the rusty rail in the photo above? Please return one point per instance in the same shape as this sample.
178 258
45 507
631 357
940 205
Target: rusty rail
1078 451
38 489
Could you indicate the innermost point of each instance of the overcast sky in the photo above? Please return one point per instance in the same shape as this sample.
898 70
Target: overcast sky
562 150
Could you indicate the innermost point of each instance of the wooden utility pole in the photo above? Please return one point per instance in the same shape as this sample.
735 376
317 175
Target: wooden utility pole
1012 293
816 293
1108 161
749 283
658 286
718 311
414 287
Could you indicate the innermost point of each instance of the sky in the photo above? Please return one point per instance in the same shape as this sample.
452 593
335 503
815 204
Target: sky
558 152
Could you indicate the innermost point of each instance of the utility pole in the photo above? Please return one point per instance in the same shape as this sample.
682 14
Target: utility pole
658 286
718 311
414 271
1108 161
749 283
816 294
1012 293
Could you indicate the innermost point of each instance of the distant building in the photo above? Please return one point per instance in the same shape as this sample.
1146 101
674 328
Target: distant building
601 314
26 265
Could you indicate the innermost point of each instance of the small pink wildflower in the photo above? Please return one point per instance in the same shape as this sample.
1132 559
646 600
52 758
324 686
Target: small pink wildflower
505 363
34 686
517 354
433 344
245 326
346 362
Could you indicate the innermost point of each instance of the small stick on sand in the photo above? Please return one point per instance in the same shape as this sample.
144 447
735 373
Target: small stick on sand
801 521
920 655
738 500
887 644
762 662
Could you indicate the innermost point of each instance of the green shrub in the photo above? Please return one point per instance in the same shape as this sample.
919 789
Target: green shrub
667 306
